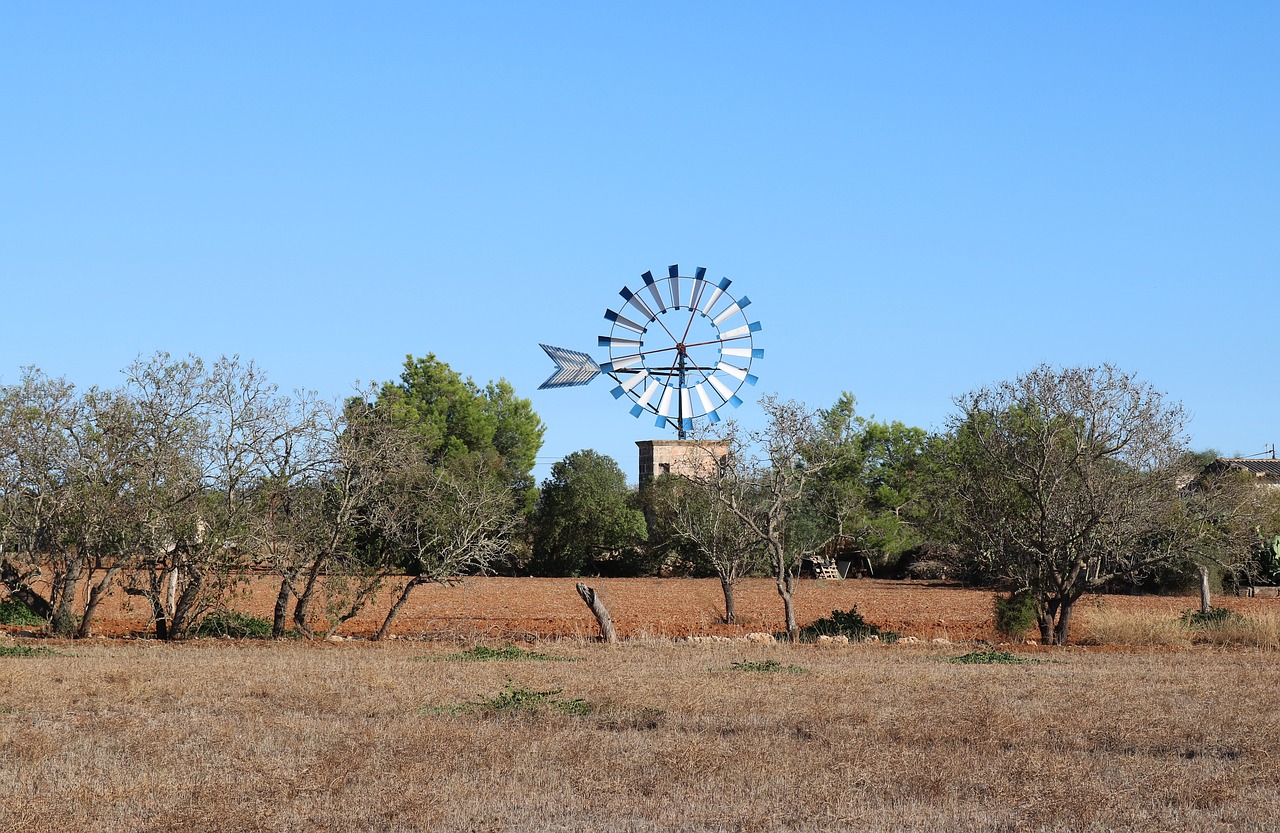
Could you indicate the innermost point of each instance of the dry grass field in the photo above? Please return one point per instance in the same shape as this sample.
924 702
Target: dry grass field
647 735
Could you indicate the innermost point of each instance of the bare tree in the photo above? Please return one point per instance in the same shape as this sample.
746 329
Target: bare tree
37 495
765 482
692 512
446 521
204 436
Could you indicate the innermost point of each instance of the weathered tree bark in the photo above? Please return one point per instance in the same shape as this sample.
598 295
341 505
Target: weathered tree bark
395 608
280 615
97 592
185 607
596 604
301 608
19 588
786 589
64 617
1205 605
1063 630
726 586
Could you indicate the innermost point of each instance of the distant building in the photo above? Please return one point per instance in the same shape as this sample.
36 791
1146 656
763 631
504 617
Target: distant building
1265 471
695 458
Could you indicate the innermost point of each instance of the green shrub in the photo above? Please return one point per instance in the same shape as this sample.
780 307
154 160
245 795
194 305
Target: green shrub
507 653
515 699
766 666
235 625
15 612
1214 617
1014 614
23 651
990 656
847 623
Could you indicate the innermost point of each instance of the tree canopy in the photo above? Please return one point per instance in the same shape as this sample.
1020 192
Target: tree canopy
585 512
1066 479
452 416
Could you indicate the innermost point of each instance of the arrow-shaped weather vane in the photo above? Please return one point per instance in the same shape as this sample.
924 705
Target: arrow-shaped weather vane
681 354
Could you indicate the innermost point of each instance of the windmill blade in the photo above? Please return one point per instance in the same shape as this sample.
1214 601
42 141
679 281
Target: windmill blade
699 286
673 285
572 368
652 286
623 321
715 295
637 302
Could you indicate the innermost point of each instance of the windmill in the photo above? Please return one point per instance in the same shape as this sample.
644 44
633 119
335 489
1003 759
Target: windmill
680 349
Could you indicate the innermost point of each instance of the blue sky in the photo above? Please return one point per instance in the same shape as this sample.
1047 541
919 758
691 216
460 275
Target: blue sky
919 198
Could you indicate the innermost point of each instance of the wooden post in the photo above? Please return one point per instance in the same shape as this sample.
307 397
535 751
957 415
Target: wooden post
596 604
1204 589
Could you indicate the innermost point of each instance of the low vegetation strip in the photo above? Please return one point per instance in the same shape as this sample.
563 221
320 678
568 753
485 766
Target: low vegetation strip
507 653
24 651
991 656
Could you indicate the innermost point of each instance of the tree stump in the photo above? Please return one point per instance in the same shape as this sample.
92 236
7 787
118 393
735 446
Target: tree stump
596 604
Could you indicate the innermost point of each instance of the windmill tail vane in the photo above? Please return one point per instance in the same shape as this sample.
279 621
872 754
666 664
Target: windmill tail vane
572 368
680 348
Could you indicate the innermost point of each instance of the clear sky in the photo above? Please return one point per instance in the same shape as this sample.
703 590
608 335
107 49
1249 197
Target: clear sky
919 198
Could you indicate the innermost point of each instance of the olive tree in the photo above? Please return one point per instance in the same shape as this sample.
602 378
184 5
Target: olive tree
1065 479
766 482
685 509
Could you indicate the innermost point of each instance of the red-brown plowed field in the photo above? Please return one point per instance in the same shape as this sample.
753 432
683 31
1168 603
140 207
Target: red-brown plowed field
526 608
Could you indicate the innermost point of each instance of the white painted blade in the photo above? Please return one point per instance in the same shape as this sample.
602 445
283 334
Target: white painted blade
703 398
721 388
736 372
664 407
643 401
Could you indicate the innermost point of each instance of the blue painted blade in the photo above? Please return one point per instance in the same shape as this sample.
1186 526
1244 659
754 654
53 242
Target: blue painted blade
572 368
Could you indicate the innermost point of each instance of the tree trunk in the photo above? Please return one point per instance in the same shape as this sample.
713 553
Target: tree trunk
1205 605
64 618
280 615
185 606
1046 613
785 590
300 608
596 604
726 586
97 593
1062 631
395 608
17 585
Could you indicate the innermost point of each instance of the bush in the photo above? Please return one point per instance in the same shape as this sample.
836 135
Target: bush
990 656
1014 614
507 653
1214 617
848 623
7 651
15 612
514 699
766 666
235 625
